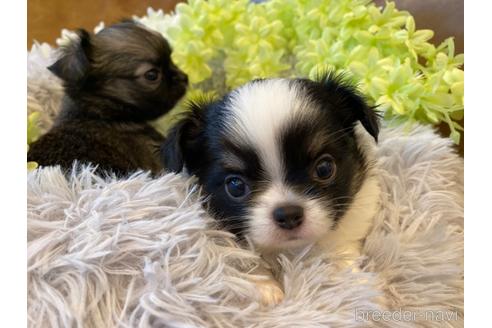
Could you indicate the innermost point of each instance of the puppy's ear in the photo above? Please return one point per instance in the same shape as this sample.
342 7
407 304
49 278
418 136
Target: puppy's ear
351 105
184 145
74 63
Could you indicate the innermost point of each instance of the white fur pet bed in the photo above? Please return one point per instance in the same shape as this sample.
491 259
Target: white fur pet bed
140 252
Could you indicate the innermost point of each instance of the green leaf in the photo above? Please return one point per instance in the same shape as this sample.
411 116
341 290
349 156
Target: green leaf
410 24
32 166
455 136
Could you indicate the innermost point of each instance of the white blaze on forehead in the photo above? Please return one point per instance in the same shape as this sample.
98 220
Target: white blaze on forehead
259 112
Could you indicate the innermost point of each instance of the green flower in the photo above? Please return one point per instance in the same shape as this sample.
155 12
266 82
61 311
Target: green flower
32 166
33 131
33 134
221 44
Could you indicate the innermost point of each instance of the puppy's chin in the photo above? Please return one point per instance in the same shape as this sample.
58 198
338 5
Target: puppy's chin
176 93
287 243
277 239
151 109
172 96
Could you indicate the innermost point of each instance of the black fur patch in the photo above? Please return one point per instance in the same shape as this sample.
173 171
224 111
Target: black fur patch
303 143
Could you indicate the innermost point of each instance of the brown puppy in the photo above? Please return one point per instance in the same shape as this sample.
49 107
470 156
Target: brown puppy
115 82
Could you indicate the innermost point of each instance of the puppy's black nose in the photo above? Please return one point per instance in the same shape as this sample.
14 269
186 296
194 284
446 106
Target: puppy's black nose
181 77
288 216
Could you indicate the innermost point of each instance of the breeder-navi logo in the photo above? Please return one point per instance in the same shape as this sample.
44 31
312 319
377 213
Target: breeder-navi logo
404 315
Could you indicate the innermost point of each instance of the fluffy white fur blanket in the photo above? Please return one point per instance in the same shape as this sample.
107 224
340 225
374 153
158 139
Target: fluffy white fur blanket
141 252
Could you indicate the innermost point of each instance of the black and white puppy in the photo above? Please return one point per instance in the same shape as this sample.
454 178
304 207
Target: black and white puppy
285 162
115 82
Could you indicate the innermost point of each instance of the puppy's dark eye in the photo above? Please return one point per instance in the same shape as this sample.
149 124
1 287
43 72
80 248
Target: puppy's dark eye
325 168
236 187
152 75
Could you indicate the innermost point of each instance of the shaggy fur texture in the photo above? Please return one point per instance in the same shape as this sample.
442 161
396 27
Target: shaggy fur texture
141 252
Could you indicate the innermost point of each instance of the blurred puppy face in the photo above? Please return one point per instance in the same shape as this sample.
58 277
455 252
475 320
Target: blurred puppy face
279 158
125 65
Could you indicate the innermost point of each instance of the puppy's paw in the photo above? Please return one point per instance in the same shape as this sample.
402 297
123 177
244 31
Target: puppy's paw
270 292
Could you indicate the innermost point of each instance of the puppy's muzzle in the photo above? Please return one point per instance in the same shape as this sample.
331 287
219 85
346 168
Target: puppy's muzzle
180 77
288 216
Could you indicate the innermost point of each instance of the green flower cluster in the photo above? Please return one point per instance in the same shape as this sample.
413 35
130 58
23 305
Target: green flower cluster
222 44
